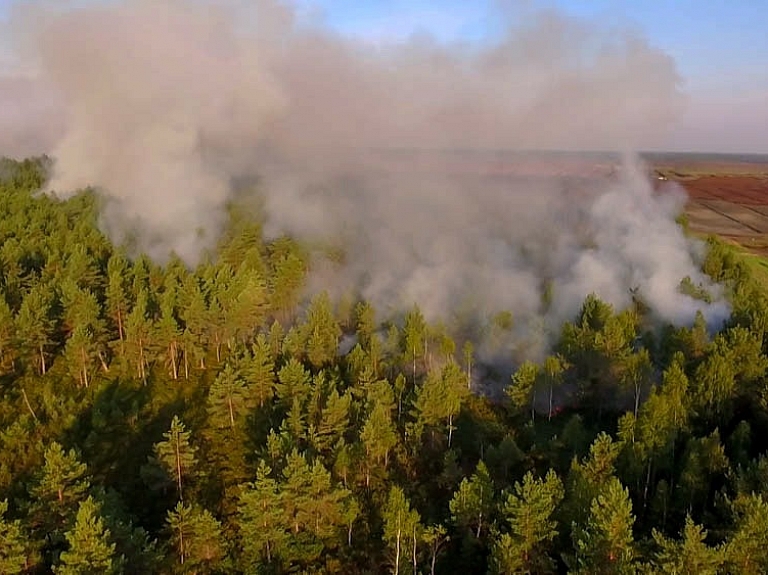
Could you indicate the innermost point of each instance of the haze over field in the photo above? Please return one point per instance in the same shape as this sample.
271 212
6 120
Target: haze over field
160 103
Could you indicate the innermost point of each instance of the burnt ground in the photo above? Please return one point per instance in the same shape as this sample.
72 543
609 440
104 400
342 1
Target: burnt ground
732 206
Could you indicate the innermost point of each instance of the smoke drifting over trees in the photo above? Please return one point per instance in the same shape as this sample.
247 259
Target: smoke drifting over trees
160 103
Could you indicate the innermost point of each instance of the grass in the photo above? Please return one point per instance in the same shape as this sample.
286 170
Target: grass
758 265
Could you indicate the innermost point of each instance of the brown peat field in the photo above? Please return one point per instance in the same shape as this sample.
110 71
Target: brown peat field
727 196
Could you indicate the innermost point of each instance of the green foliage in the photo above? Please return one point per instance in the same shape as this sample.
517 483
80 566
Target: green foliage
401 454
13 553
688 556
197 538
472 504
605 544
175 456
529 511
402 531
90 549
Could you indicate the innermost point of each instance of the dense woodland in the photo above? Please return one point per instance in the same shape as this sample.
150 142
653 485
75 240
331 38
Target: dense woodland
156 419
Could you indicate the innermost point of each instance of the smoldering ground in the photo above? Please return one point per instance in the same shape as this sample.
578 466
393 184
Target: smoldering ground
159 103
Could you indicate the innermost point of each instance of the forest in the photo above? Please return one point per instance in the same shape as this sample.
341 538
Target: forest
157 419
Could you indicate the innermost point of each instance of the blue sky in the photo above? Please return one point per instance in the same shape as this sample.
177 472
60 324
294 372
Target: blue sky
720 47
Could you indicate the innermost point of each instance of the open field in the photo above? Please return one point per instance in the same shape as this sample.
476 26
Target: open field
726 199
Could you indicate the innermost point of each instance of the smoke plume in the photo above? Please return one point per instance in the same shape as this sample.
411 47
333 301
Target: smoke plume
160 103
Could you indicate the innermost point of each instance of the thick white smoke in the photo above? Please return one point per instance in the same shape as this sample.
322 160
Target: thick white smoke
159 103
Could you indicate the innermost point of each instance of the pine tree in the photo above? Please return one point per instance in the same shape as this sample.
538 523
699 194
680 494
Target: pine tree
606 544
472 504
414 338
552 376
228 399
589 476
259 371
365 323
745 550
522 391
248 305
117 296
57 490
334 421
176 455
435 537
400 523
689 556
13 555
379 437
197 537
529 510
263 533
287 281
8 340
34 326
292 382
90 549
166 335
322 331
193 312
636 374
138 337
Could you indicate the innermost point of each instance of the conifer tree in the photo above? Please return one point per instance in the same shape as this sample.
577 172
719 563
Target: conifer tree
400 523
292 382
263 532
58 489
34 326
322 331
605 545
13 555
176 455
745 550
529 510
8 340
117 294
472 504
228 398
197 538
379 437
90 548
259 371
689 556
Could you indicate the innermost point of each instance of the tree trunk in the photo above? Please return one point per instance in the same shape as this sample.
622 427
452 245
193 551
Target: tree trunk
120 324
549 415
469 375
84 359
29 406
42 360
397 553
178 469
181 545
231 412
172 354
104 365
637 398
479 524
